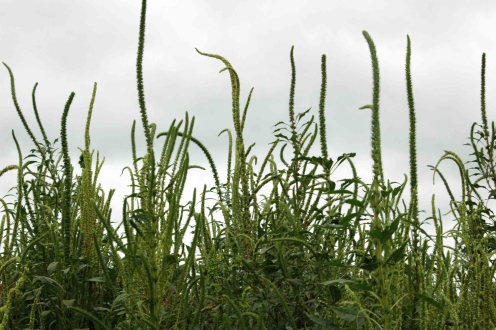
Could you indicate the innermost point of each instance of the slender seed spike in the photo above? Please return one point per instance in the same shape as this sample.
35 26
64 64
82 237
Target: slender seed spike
376 130
66 197
322 122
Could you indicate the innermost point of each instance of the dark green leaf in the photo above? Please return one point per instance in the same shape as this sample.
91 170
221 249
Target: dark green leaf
397 255
430 301
296 281
348 314
328 324
47 280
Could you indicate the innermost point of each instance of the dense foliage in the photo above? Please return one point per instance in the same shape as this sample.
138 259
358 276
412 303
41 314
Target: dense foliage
296 259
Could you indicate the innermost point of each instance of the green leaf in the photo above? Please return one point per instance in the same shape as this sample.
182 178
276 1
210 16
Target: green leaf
368 106
52 267
396 191
25 165
360 286
331 226
340 281
296 281
387 233
263 250
397 255
354 202
369 263
328 324
341 191
121 297
302 114
47 280
391 229
430 301
350 155
282 136
171 259
348 314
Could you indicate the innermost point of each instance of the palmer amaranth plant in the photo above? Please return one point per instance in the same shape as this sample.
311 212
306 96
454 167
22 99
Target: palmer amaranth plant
288 262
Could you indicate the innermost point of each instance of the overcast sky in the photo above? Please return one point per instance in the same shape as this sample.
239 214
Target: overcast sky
66 46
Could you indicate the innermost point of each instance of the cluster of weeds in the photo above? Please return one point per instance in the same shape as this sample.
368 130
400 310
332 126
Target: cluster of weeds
296 259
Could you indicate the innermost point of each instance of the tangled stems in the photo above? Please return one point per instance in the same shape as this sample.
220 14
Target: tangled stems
288 261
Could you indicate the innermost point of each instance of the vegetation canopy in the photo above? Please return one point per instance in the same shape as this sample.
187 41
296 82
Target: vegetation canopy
292 260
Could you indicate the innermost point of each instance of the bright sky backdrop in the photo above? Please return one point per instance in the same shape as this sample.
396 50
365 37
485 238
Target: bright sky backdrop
66 46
